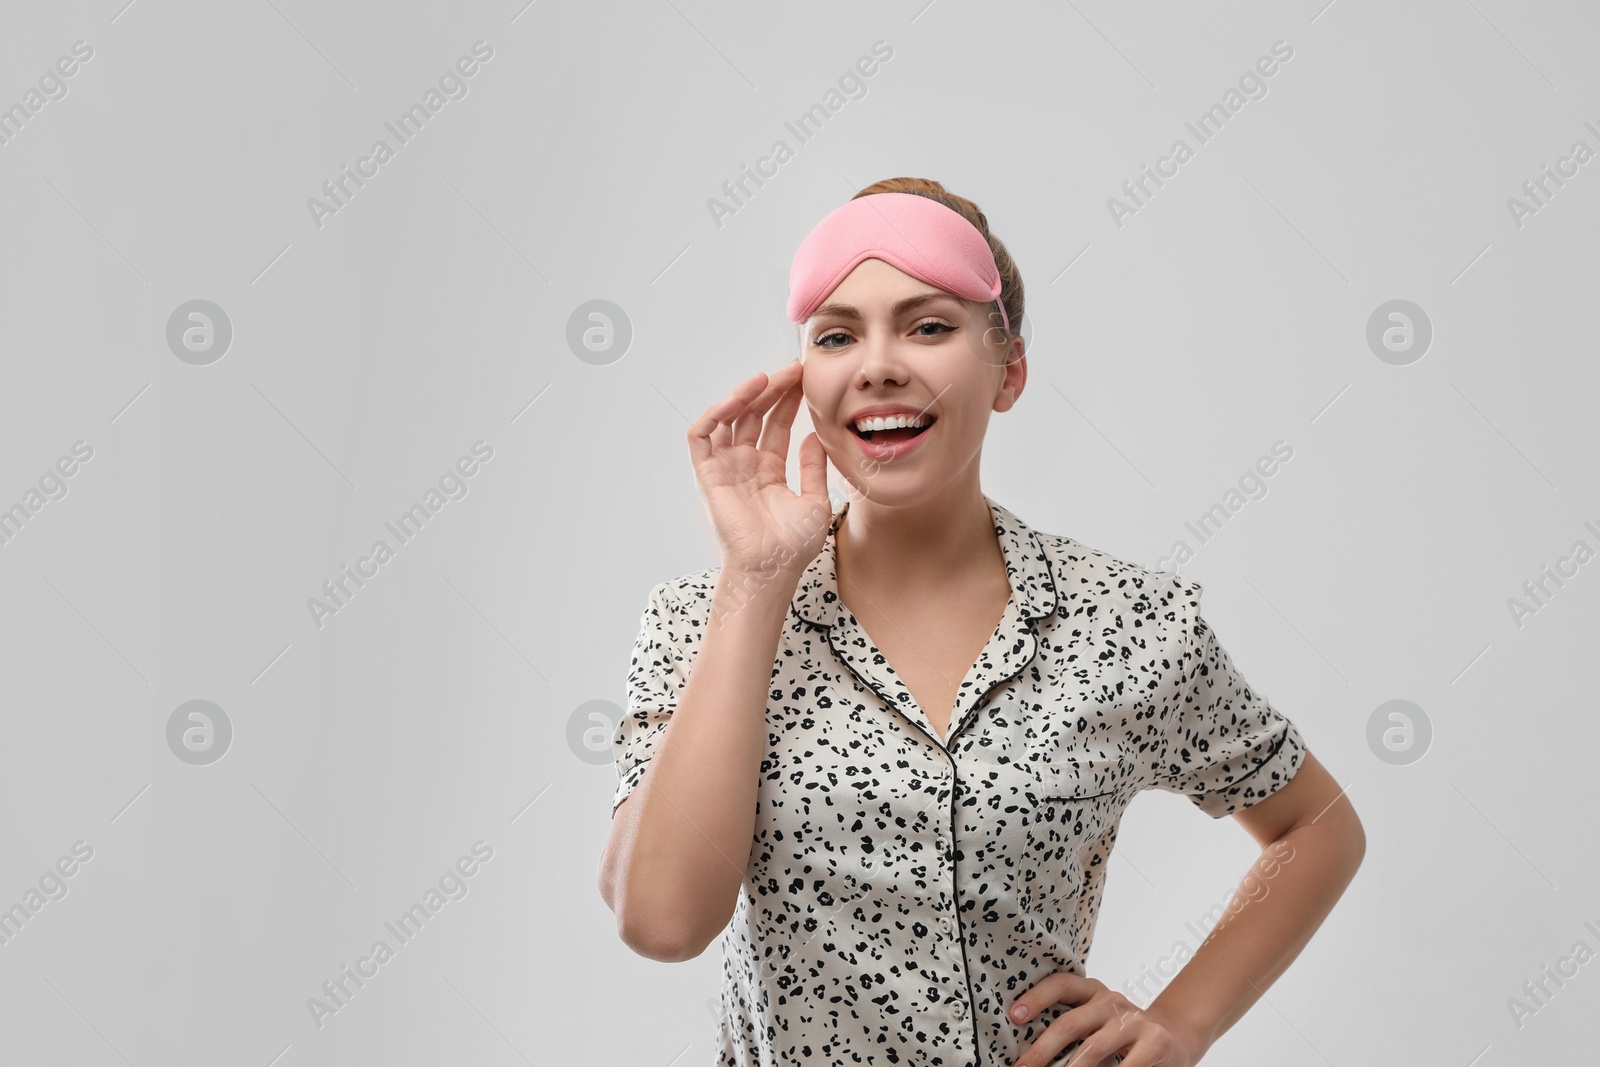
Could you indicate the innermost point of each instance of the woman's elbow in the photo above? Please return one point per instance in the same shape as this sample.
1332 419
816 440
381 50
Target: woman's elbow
654 941
648 932
1349 843
1358 841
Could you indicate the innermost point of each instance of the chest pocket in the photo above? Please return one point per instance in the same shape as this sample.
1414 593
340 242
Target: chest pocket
1073 801
1085 777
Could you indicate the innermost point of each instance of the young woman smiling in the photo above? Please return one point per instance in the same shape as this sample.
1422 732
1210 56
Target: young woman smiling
887 748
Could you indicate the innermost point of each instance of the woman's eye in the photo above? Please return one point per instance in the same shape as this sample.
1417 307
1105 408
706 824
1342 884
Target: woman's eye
823 341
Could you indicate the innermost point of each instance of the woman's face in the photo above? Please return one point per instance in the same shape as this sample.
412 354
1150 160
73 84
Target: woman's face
935 355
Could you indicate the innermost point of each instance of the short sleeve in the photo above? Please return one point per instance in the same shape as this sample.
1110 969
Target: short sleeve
656 676
1224 745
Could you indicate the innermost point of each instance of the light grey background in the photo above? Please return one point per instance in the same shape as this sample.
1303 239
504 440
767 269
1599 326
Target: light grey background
439 706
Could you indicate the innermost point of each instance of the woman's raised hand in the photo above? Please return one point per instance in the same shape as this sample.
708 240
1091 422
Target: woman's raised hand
741 455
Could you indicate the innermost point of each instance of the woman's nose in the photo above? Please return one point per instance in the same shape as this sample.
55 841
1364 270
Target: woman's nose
880 362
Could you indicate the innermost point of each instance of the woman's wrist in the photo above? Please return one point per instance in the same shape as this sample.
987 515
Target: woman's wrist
765 593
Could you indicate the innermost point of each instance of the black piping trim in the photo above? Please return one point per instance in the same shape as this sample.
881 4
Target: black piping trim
955 894
1268 758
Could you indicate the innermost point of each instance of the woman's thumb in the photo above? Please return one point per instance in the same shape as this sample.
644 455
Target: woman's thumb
813 469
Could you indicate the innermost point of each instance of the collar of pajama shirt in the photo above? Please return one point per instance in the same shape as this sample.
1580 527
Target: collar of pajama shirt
903 889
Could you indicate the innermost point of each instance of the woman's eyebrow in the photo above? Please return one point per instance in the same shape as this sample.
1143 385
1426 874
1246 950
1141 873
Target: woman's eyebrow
847 311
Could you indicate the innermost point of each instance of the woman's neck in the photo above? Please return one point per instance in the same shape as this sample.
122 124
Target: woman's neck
938 540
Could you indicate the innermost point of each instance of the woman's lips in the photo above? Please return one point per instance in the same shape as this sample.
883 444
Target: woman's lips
892 449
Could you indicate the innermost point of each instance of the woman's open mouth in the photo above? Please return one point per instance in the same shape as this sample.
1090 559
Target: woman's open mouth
892 443
899 433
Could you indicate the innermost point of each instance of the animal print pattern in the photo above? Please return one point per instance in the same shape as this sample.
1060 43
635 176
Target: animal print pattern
904 888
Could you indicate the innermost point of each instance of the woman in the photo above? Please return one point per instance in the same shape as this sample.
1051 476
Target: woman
892 742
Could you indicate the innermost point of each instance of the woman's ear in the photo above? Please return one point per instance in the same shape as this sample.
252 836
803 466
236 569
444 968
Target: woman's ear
1013 376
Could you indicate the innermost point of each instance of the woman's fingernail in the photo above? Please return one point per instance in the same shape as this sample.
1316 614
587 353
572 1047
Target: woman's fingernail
1020 1012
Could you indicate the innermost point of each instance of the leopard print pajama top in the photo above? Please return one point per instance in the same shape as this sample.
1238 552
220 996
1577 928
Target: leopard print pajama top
904 888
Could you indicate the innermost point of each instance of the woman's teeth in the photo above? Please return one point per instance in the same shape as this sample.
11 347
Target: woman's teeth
910 425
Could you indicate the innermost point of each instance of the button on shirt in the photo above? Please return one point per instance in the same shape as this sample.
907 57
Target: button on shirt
904 888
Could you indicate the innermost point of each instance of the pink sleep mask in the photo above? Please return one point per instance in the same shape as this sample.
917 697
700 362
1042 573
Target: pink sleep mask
918 235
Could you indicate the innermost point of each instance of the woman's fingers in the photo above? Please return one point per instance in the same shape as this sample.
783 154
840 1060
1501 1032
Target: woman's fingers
741 421
741 417
713 429
775 434
747 430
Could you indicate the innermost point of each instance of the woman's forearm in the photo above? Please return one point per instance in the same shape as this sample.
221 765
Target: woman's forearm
1279 905
680 842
